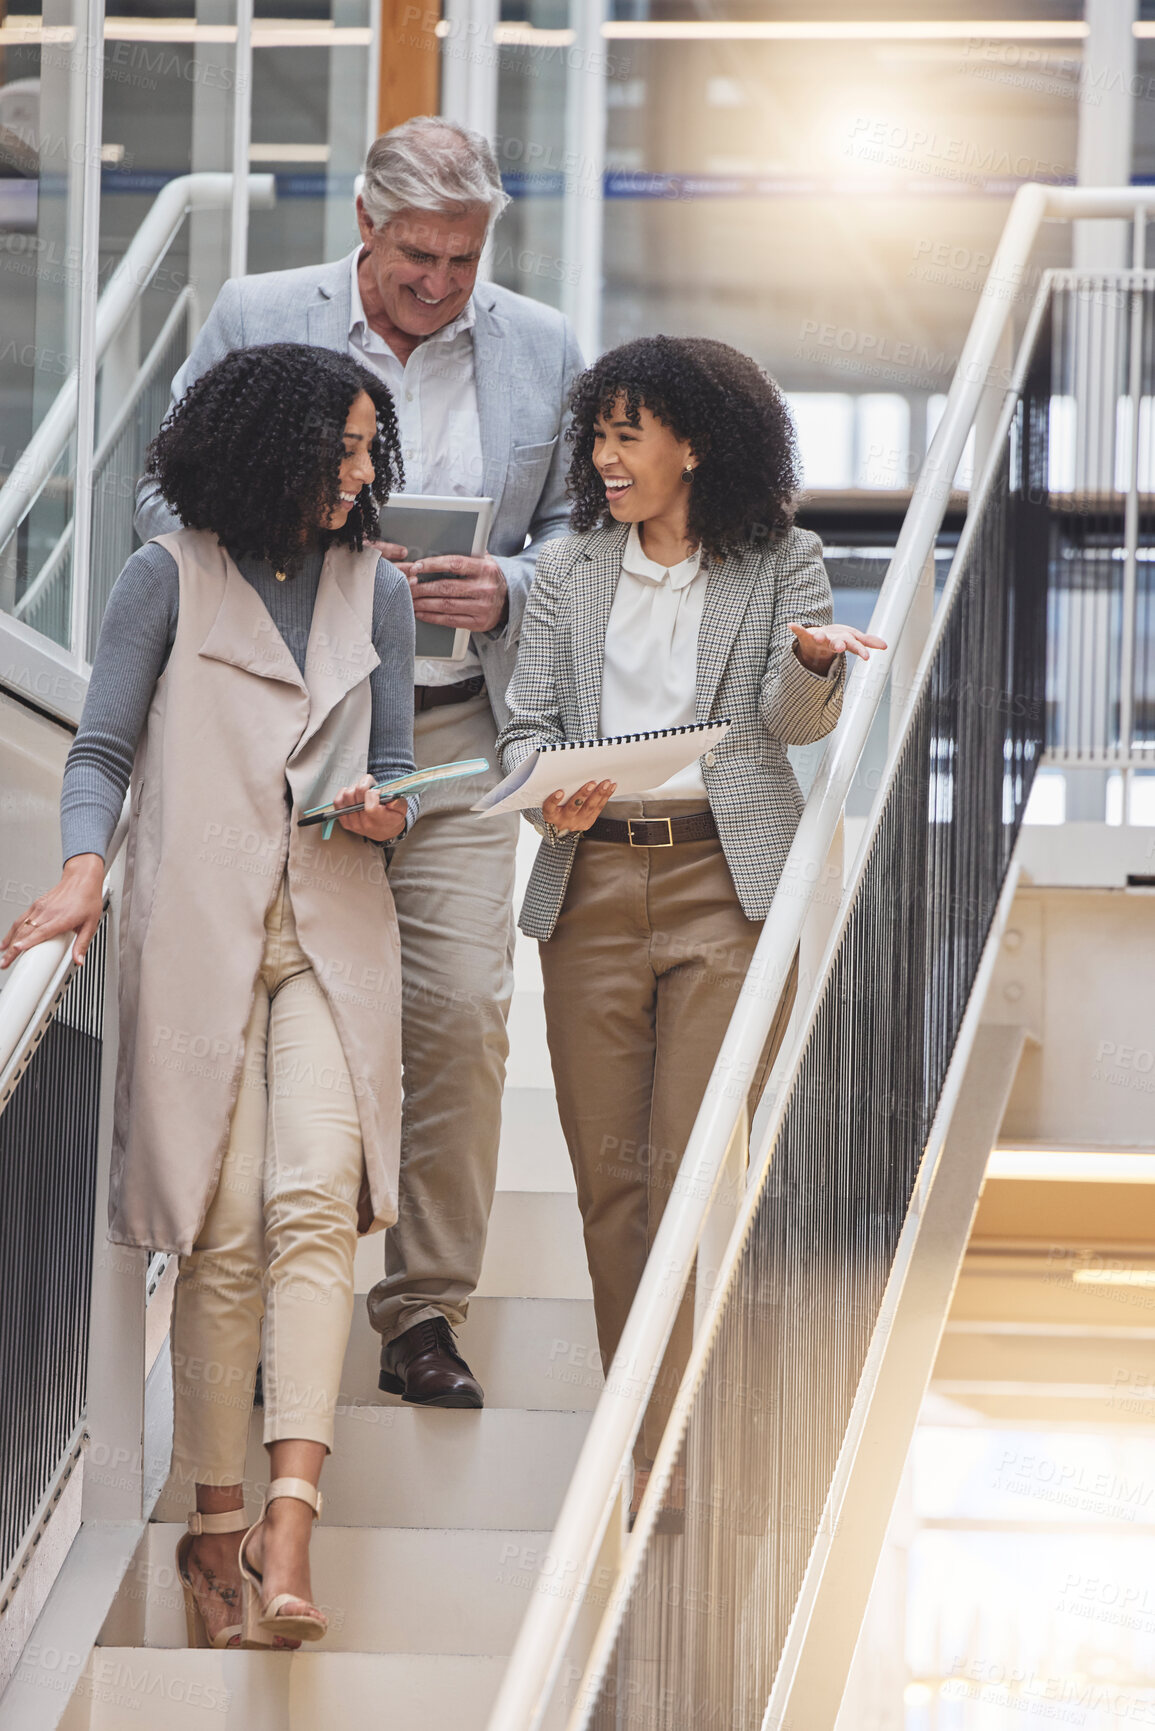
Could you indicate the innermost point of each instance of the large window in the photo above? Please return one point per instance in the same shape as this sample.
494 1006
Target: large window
178 97
828 198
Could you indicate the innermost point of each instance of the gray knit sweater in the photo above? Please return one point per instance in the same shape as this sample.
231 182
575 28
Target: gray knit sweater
135 640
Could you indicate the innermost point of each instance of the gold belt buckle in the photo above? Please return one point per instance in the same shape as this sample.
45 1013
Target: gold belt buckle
669 841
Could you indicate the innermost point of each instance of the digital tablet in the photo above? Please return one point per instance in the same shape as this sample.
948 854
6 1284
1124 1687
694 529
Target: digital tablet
426 524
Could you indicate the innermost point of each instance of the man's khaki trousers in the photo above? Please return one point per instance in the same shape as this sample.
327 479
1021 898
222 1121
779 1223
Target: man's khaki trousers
641 976
452 882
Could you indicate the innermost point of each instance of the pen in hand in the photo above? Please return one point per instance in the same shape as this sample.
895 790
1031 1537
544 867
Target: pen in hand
367 815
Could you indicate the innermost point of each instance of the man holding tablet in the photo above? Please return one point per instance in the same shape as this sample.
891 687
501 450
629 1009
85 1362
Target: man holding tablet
480 378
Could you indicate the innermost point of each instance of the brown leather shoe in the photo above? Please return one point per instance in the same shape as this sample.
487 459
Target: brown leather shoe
423 1366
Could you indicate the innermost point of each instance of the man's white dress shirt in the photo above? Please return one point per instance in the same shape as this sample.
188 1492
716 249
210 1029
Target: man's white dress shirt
435 396
650 668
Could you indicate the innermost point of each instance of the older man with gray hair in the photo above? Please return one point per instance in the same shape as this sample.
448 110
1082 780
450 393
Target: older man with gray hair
480 378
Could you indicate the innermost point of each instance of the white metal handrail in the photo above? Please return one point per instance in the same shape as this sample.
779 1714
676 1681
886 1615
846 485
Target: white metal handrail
529 1680
34 987
136 390
152 240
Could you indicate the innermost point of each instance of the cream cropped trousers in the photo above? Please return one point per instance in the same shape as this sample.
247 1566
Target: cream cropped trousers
278 1240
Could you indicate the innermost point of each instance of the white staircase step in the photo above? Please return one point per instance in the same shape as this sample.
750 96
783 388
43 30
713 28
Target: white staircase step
525 1352
392 1590
126 1689
405 1466
534 1249
533 1152
435 1521
528 1065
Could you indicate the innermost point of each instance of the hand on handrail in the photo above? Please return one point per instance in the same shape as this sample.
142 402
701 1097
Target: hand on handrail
74 905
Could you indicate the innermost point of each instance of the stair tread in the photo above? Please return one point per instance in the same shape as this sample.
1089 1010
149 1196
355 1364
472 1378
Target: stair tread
404 1466
532 1353
411 1590
534 1249
127 1689
533 1153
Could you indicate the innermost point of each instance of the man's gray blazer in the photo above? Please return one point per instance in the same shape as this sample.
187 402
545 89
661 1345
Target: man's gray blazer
525 358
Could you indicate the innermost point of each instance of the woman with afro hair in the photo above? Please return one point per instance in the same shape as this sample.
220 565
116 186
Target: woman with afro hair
685 595
254 664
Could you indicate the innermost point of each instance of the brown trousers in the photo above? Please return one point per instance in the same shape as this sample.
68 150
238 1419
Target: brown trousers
641 976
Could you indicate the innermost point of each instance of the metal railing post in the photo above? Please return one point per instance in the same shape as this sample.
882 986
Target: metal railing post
583 210
114 1461
908 650
242 133
1131 509
121 363
991 402
469 64
87 349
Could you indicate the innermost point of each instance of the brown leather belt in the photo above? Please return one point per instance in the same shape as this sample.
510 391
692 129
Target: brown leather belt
655 831
433 696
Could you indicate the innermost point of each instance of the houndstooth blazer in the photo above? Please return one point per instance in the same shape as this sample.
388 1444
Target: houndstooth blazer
746 673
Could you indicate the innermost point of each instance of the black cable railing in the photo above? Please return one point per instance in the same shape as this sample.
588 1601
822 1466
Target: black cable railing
48 1154
1101 480
705 1621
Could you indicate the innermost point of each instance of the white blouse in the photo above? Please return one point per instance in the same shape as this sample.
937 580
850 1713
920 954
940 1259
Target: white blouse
435 396
650 669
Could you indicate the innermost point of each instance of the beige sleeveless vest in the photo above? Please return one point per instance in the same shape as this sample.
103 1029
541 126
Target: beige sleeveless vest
232 725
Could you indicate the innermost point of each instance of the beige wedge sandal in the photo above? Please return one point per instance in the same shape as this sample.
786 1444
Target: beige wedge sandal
262 1622
198 1636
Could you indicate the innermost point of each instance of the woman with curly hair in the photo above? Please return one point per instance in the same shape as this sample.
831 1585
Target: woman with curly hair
686 595
249 667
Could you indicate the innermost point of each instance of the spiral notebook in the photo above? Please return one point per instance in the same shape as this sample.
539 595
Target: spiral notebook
638 762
